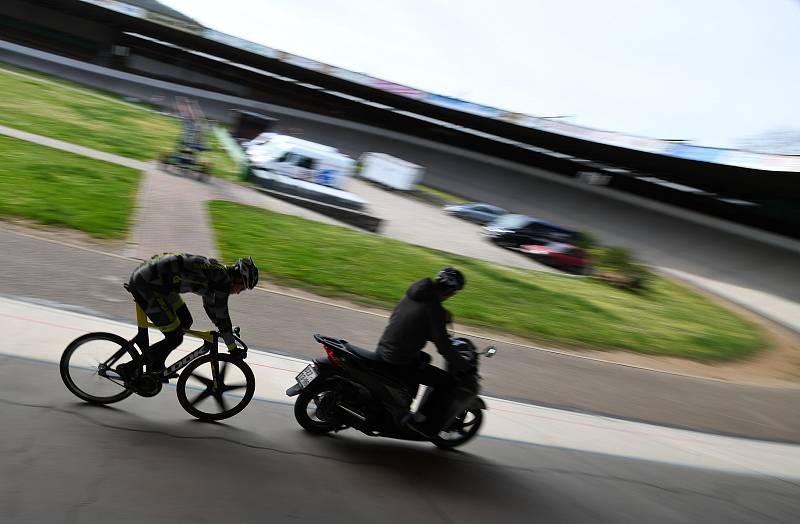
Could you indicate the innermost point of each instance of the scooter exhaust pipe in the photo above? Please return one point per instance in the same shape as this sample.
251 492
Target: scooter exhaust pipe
349 411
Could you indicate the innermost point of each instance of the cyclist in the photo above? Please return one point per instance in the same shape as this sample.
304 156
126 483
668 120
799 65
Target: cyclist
156 286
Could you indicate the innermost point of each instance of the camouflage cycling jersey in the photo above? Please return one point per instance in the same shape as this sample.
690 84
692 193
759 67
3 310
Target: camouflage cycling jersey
158 281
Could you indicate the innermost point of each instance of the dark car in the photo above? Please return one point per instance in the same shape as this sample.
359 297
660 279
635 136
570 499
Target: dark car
518 230
559 254
475 212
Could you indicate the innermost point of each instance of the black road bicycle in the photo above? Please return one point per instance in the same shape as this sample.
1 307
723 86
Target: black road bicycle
88 362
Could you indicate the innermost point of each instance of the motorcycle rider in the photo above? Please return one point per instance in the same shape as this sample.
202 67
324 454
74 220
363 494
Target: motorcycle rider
156 286
418 318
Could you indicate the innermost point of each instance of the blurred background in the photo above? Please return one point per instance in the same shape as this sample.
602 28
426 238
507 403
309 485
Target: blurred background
618 182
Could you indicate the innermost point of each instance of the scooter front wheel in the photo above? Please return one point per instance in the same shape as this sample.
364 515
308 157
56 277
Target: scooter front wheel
462 430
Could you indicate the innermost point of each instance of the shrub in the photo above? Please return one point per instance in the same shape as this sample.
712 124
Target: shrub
618 266
585 240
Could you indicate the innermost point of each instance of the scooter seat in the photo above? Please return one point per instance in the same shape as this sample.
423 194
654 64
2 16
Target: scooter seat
374 365
366 354
372 361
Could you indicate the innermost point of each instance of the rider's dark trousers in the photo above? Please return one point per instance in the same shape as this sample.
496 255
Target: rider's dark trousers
442 383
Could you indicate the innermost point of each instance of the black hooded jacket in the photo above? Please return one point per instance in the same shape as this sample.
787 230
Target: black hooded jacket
418 318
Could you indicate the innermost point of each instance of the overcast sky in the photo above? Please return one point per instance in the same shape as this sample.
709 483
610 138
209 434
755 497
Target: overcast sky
710 71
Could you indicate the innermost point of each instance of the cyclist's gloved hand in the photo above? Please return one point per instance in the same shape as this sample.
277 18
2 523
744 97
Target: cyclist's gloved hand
233 348
237 352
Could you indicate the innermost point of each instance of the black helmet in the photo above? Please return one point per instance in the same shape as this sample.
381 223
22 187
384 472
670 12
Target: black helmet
248 271
451 278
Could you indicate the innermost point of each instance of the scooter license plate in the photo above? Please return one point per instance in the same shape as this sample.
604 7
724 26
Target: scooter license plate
307 376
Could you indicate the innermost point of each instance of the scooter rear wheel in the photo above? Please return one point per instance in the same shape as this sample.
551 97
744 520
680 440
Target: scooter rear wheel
315 407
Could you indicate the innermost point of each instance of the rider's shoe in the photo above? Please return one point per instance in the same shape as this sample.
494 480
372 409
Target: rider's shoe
424 430
128 371
239 353
157 366
420 425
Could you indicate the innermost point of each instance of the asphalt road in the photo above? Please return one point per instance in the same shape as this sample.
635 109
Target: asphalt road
71 277
145 460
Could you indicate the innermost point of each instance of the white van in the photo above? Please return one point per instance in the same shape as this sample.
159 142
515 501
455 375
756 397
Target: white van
263 138
390 171
297 158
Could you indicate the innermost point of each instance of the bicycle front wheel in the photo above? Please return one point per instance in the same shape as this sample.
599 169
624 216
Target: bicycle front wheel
203 399
87 367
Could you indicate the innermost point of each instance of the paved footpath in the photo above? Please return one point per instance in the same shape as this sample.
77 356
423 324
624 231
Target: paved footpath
171 216
72 148
422 224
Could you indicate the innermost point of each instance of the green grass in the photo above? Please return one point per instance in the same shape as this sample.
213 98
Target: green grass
666 319
59 109
453 199
222 165
55 187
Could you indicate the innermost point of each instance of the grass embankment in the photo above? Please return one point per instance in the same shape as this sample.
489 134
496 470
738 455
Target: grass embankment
664 319
448 197
55 187
222 165
60 109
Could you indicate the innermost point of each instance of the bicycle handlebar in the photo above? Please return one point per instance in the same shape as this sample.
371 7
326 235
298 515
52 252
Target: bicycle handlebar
240 341
236 337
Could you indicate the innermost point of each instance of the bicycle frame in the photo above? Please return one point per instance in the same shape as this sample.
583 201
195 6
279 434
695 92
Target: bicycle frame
142 341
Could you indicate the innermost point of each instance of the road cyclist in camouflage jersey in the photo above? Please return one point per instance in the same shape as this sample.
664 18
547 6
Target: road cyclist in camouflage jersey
156 286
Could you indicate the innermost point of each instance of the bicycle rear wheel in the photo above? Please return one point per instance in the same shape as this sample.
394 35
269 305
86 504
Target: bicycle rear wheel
200 398
86 367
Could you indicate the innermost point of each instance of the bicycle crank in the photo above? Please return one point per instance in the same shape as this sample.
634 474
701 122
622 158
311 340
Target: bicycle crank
147 385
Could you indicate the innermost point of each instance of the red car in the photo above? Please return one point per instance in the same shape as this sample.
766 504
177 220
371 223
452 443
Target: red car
558 254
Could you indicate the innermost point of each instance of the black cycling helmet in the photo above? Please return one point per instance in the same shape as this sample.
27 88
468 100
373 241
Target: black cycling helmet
451 278
248 271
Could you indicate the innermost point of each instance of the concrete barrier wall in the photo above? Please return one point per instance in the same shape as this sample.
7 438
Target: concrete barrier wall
355 218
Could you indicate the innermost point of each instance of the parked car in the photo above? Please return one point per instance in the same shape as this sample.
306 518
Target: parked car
560 255
476 212
517 230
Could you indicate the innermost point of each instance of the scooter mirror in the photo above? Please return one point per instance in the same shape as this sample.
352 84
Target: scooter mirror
490 351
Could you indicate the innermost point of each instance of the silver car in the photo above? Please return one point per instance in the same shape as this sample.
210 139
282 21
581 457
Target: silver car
475 212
